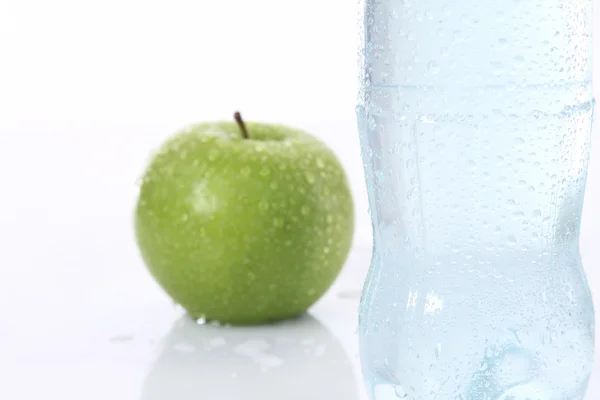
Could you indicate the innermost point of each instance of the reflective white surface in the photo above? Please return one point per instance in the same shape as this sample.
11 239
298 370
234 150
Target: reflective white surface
80 318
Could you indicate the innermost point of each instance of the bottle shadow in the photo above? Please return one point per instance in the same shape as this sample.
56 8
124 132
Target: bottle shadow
294 360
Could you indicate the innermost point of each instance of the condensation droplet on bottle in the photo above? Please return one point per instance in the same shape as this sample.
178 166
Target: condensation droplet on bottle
511 203
433 68
519 61
498 68
457 37
438 350
511 240
410 165
372 124
510 86
537 213
400 392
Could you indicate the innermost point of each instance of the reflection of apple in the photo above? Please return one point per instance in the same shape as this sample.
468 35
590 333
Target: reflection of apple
244 223
295 360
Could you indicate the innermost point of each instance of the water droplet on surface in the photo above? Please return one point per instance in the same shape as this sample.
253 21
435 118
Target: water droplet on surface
350 294
121 339
201 321
217 342
184 347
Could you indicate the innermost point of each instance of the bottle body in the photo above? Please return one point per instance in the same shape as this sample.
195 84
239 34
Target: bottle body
475 123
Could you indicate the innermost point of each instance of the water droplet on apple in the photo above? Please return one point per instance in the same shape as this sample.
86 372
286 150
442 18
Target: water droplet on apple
184 217
320 163
304 210
278 222
310 178
273 185
326 250
246 171
264 171
329 219
263 205
212 156
311 292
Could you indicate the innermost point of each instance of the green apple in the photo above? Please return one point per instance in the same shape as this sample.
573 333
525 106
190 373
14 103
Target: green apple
244 223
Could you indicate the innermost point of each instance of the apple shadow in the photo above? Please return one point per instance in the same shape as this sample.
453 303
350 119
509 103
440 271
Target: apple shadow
294 360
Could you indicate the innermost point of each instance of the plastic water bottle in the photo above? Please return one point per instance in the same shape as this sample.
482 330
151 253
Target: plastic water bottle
475 121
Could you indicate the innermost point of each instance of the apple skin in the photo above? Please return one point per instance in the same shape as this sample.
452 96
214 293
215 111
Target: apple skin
244 231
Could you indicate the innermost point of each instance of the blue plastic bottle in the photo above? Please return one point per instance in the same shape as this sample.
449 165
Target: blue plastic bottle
475 120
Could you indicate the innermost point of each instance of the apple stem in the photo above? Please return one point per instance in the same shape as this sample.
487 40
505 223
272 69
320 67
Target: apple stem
240 121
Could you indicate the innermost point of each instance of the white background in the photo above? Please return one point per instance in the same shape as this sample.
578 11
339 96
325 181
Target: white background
87 89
